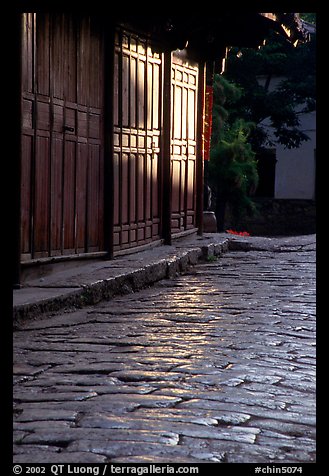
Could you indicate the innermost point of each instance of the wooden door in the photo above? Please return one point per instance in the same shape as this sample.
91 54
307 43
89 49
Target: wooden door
62 136
137 128
183 143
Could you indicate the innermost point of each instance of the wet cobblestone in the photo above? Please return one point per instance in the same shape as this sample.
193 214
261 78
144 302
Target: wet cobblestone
216 365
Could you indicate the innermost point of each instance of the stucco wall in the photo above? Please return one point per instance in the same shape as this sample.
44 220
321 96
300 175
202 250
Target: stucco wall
295 168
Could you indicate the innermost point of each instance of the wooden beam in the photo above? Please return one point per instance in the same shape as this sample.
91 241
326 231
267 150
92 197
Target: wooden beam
109 46
166 149
200 148
15 51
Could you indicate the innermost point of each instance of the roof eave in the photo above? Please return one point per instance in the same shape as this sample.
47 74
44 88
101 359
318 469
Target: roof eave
290 26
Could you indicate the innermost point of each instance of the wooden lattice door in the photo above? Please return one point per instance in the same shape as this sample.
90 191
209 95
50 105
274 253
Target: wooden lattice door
183 143
62 135
137 128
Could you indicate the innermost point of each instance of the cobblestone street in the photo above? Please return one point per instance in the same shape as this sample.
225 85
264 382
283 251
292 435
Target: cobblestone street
215 365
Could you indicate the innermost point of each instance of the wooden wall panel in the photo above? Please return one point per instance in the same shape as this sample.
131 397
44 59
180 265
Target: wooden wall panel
124 188
132 188
116 91
26 199
56 195
81 196
95 198
70 59
116 194
42 196
84 62
43 55
69 197
57 54
28 57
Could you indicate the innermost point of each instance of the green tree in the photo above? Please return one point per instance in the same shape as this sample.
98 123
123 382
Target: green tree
232 166
274 109
309 17
248 111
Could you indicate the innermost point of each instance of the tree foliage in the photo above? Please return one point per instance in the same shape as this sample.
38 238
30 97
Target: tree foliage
232 166
249 115
309 17
274 109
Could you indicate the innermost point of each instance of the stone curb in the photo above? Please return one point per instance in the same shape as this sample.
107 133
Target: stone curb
130 282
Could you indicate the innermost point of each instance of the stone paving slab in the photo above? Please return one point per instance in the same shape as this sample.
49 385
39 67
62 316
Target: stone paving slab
216 365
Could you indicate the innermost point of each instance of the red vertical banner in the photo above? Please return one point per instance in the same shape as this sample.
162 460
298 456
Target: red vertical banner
208 121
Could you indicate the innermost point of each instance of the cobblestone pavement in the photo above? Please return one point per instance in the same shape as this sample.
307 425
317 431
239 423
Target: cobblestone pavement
217 365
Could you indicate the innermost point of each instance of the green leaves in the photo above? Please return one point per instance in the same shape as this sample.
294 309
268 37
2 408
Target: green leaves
232 167
276 85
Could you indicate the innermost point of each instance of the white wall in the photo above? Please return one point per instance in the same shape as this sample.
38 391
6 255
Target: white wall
295 168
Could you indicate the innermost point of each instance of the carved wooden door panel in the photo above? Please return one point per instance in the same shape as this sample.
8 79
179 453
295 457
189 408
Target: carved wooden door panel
62 136
137 129
183 144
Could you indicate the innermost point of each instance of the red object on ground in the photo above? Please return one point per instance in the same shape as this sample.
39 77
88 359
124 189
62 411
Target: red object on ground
240 233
